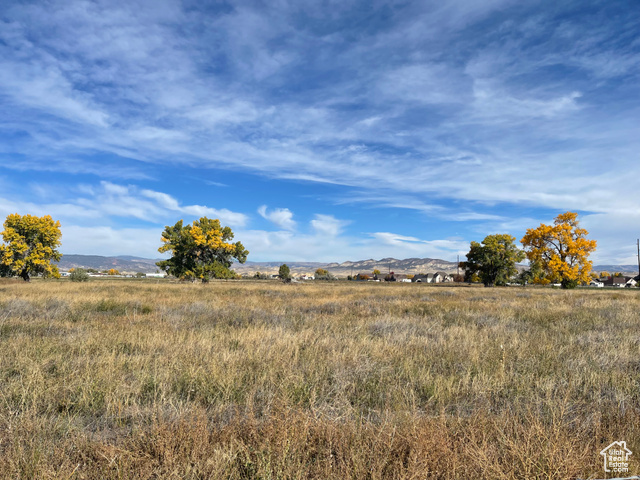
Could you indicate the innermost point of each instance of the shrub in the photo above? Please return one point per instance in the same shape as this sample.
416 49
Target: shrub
325 276
79 275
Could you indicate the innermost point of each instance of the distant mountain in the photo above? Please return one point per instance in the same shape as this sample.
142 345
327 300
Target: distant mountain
385 265
124 264
626 269
129 264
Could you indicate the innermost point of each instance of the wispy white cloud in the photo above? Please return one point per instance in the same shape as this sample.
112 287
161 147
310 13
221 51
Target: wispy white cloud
452 109
107 200
106 240
445 247
328 225
282 217
317 246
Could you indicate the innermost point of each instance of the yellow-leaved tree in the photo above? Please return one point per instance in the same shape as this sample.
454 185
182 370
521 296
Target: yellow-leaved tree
200 251
30 244
561 250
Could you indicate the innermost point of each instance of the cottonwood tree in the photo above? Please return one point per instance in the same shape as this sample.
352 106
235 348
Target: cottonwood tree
494 260
30 245
284 273
561 250
200 251
78 275
531 275
322 274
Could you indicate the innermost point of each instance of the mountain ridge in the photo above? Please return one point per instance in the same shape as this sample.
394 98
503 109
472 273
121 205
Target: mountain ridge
129 264
413 265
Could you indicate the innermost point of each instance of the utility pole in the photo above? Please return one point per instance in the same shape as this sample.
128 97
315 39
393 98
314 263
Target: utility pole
638 244
458 264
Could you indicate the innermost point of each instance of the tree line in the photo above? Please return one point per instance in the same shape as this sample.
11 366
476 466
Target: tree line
199 251
204 250
556 253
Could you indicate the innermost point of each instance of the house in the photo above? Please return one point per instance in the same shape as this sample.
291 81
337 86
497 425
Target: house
421 278
631 282
390 277
441 277
596 283
615 282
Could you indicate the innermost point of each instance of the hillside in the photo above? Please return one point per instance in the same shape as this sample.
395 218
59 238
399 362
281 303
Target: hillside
409 265
125 264
626 269
130 264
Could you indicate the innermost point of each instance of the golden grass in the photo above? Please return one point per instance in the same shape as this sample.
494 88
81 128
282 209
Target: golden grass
116 379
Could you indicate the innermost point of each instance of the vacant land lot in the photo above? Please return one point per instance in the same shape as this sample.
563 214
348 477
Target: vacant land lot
263 380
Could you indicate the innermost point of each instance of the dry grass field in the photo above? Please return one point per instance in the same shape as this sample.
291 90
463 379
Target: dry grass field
125 379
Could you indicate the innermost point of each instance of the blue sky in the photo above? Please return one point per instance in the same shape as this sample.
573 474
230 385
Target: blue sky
322 131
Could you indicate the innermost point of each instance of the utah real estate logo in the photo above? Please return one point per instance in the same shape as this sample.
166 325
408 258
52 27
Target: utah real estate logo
616 457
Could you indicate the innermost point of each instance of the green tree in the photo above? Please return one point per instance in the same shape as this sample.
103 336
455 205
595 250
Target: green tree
200 251
532 275
494 260
79 275
30 245
284 273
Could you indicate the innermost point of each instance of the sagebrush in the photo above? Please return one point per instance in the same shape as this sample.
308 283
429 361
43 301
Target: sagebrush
116 379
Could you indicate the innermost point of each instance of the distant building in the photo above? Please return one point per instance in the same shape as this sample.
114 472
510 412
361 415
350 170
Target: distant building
615 282
441 277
